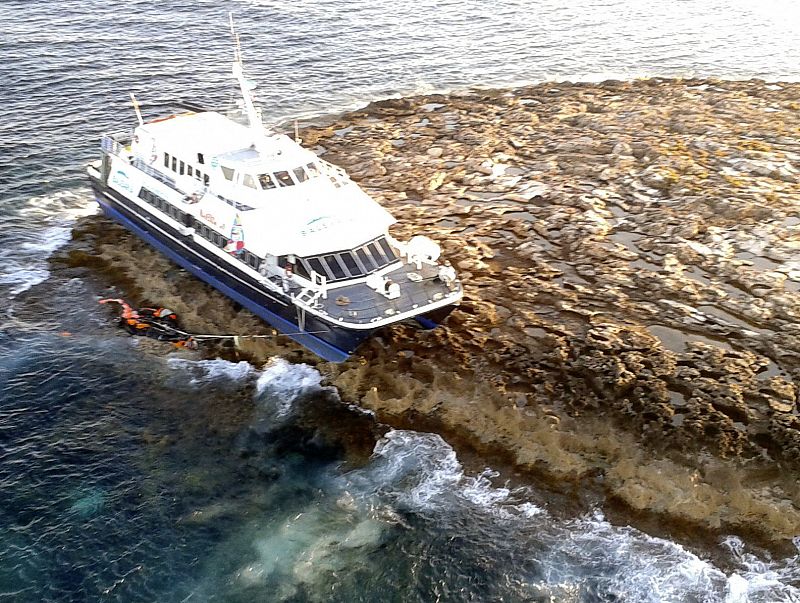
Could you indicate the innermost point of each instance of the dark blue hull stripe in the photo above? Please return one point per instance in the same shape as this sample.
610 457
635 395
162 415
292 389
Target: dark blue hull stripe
320 347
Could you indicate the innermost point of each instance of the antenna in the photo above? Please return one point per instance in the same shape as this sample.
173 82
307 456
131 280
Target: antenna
136 108
237 47
296 133
253 116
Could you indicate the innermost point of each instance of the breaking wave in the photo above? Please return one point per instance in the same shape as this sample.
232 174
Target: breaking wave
575 560
281 383
197 373
33 232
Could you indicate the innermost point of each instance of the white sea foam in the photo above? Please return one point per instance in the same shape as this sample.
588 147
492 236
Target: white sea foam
417 468
419 472
218 371
39 227
761 580
281 383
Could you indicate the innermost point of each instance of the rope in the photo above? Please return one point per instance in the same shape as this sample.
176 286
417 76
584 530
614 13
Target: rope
215 336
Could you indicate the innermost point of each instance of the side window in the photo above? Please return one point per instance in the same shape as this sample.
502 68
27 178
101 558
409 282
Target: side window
300 174
227 172
174 165
266 181
189 170
205 179
312 169
183 168
200 159
166 160
248 181
284 178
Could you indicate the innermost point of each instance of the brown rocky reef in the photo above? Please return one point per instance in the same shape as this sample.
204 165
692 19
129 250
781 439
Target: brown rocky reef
631 260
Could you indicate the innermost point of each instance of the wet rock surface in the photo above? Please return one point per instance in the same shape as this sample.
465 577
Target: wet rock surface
631 259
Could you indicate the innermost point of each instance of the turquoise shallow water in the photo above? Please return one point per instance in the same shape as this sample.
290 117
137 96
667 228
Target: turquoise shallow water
132 477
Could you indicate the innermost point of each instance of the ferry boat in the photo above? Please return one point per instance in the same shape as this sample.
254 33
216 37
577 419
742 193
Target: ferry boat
271 225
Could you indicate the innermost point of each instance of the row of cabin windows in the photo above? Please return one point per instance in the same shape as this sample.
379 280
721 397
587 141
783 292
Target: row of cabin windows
204 231
181 167
361 261
276 180
161 204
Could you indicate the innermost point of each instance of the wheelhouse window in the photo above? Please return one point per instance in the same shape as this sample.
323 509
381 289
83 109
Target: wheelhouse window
266 181
300 174
316 265
366 260
227 172
350 263
334 267
387 249
312 169
363 260
248 181
284 178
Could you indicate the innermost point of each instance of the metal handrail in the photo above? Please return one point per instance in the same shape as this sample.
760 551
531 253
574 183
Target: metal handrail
115 144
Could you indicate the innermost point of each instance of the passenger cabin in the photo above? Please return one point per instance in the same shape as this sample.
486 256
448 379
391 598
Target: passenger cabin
328 225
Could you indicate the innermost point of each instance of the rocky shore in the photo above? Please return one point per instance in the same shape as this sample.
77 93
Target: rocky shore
631 259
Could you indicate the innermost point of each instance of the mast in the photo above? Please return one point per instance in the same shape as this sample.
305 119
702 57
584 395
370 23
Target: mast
253 116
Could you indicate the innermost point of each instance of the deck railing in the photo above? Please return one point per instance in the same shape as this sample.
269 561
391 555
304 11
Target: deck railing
117 143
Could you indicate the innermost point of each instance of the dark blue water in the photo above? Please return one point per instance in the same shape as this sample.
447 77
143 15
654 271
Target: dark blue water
129 476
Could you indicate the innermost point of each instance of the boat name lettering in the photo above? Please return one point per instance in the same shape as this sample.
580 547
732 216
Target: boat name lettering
121 180
208 217
317 225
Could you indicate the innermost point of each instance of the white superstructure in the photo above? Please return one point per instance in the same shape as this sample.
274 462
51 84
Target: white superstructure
272 217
